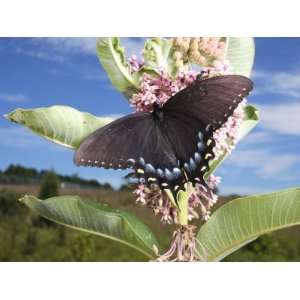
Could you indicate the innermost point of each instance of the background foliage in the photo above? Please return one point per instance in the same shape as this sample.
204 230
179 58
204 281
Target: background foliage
23 237
49 186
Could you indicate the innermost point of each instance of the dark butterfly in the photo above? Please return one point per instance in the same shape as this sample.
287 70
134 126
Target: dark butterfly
174 143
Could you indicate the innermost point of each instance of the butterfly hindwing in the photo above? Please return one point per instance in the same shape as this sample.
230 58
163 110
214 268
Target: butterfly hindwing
193 144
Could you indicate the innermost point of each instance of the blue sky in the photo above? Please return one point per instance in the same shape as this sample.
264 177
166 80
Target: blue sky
49 71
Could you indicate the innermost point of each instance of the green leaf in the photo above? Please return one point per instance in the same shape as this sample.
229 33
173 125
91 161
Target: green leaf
96 218
112 57
243 220
158 55
60 124
240 54
251 119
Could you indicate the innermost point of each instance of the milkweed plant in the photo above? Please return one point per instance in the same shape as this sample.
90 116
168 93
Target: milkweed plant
167 66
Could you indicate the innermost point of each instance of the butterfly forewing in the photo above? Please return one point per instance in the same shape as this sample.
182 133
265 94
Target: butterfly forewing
212 100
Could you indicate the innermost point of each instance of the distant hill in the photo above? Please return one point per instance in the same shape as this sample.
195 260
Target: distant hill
17 174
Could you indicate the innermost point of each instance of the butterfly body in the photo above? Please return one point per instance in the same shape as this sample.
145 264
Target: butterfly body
158 112
172 144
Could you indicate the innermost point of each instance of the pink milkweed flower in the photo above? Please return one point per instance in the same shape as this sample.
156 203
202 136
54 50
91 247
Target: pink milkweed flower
135 63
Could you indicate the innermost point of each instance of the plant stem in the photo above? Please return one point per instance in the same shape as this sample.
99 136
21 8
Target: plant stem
182 198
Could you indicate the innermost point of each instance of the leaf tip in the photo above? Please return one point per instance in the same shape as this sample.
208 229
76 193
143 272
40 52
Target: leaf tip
9 116
155 249
13 116
24 199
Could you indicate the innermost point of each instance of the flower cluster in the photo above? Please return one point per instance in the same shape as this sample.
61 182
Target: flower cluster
159 89
205 51
201 198
183 245
204 198
158 201
227 136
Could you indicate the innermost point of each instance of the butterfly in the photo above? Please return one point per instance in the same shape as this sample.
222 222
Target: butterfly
174 143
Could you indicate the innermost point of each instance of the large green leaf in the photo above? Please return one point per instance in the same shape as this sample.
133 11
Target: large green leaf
243 220
240 54
251 119
96 218
113 59
60 124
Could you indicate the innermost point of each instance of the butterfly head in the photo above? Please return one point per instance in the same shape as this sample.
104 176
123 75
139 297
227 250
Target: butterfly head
158 111
203 75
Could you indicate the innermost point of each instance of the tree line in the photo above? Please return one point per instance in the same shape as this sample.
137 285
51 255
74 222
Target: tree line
17 174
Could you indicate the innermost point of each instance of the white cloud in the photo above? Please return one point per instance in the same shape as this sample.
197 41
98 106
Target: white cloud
264 163
287 83
258 138
20 137
89 72
239 189
259 74
57 49
62 47
41 54
13 97
283 118
80 45
247 158
283 83
88 45
277 165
